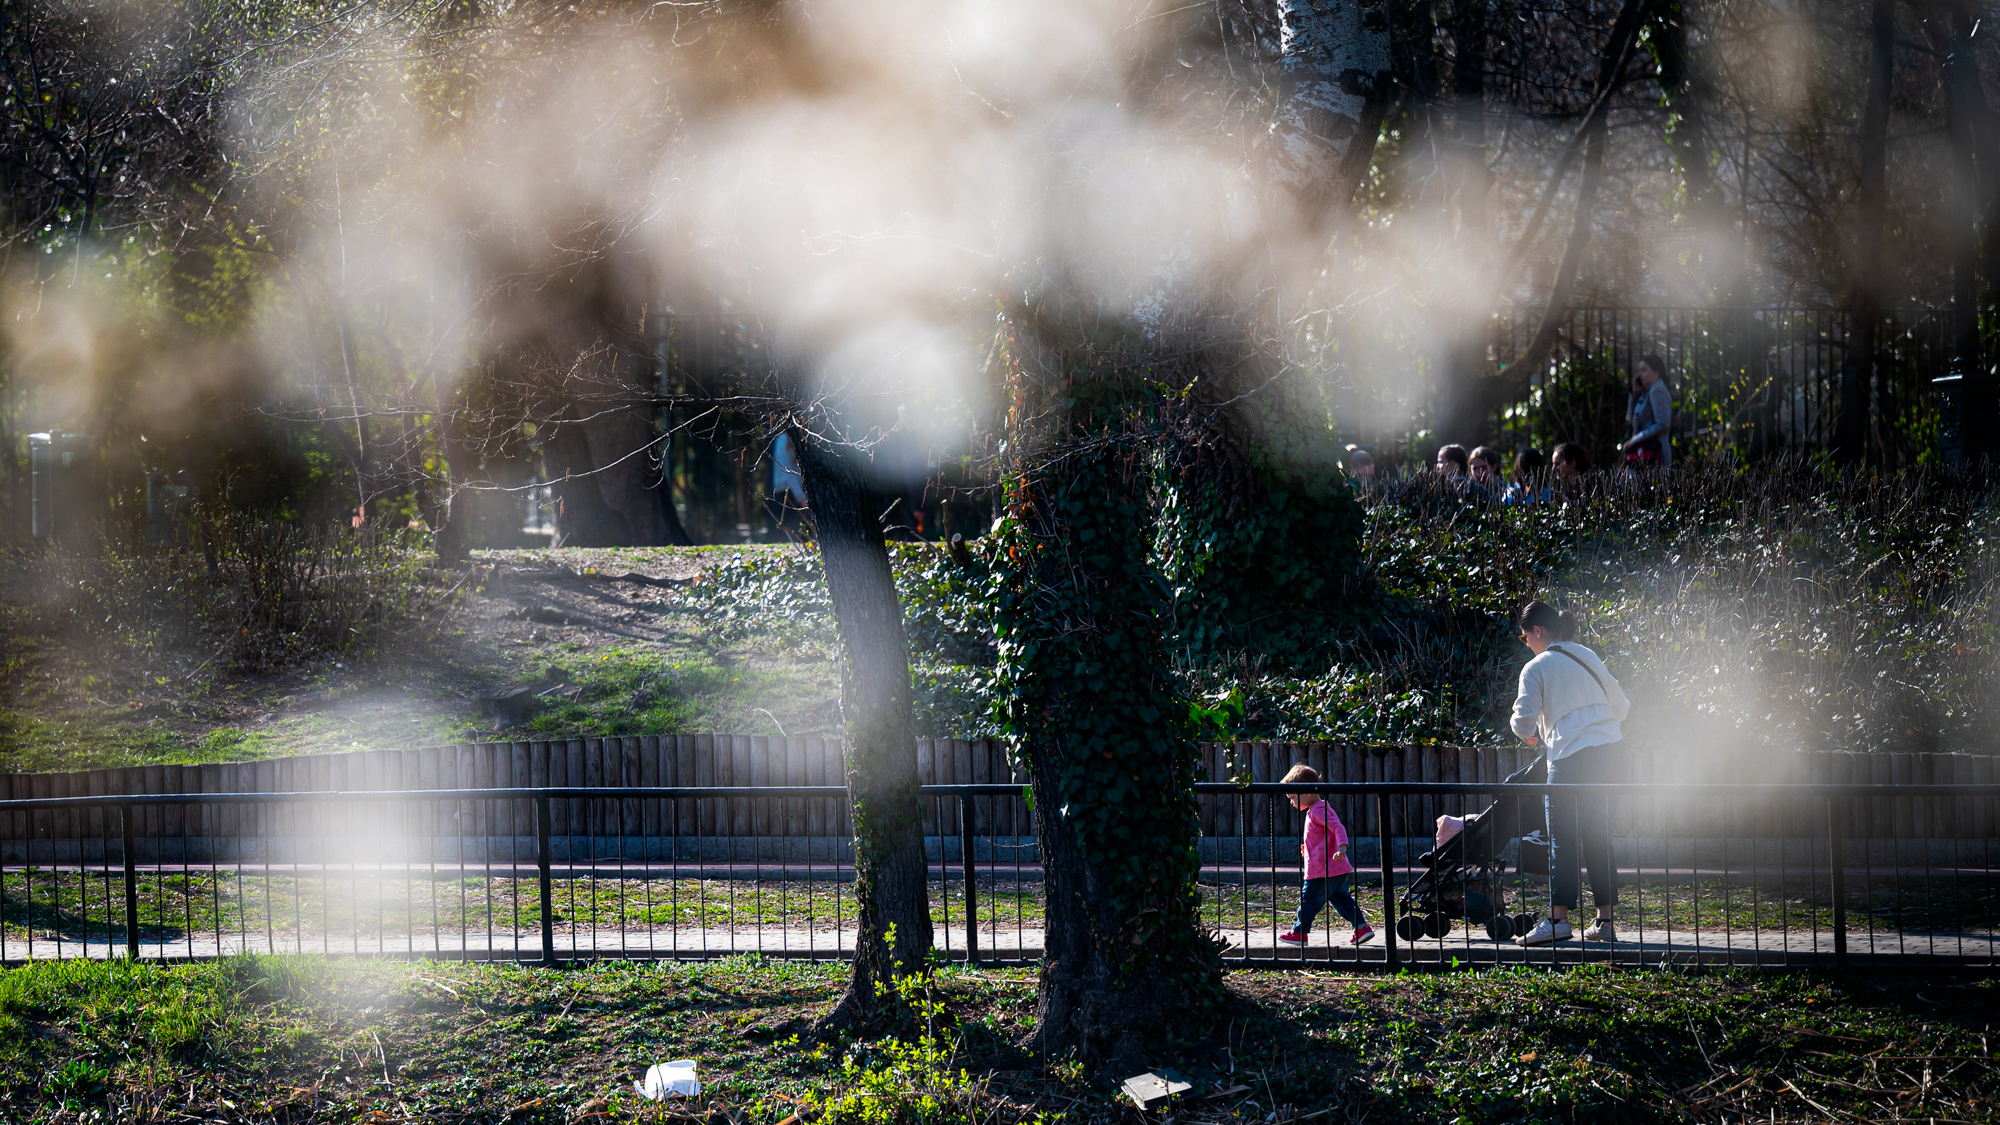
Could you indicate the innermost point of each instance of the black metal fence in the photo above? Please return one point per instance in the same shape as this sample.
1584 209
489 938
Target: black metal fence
1797 876
1750 381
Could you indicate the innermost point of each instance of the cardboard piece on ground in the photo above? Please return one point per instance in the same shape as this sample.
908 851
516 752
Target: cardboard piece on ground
1150 1089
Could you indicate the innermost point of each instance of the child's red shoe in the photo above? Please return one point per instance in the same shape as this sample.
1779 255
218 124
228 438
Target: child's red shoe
1362 936
1292 937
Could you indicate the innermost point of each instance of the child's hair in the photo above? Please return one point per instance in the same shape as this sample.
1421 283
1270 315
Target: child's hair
1456 455
1301 772
1359 456
1489 455
1561 626
1529 461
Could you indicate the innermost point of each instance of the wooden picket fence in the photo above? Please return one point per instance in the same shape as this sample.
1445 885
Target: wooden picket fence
754 760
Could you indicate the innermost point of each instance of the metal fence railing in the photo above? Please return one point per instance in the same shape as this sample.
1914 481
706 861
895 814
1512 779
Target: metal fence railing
1749 381
1800 876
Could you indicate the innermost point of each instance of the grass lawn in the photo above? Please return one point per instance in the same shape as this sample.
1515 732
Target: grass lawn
306 1040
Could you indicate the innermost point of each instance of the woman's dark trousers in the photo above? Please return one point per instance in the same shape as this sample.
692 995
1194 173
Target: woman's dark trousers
1580 826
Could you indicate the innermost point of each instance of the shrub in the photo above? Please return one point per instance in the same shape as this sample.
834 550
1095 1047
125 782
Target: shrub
1792 606
248 595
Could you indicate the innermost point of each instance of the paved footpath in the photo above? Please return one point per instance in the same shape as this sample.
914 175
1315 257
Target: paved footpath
1649 947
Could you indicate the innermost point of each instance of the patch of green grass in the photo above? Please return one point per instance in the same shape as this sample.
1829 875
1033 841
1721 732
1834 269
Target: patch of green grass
81 740
630 690
624 691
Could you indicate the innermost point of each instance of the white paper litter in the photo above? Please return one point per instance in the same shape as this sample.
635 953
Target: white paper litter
669 1080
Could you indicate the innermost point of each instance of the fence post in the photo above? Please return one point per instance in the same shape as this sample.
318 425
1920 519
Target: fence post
1836 849
965 861
1388 881
131 887
542 876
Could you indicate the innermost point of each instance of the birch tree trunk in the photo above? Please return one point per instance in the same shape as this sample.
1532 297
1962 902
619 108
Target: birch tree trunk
1337 85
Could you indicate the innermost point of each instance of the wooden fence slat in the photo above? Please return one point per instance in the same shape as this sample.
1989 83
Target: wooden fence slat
41 785
758 751
631 822
1987 807
700 758
984 809
579 809
598 767
652 764
101 823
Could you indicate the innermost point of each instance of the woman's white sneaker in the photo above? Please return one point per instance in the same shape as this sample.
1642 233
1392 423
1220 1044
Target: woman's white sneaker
1601 930
1546 932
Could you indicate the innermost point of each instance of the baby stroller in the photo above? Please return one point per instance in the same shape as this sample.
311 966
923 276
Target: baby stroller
1463 879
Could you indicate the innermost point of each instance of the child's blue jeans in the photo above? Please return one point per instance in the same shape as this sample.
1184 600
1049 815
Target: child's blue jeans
1335 889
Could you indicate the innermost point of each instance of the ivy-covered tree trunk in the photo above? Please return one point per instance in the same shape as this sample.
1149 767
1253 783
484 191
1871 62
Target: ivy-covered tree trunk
1080 616
882 779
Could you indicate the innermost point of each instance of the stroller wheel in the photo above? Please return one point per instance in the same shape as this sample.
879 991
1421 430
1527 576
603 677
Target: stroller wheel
1436 925
1523 923
1500 927
1410 927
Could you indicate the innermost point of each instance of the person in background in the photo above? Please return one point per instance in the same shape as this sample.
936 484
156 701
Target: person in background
1527 487
1454 462
1484 464
1570 460
787 484
1571 706
1360 466
1651 412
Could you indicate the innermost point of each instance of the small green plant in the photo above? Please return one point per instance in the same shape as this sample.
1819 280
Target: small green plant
75 1081
897 1080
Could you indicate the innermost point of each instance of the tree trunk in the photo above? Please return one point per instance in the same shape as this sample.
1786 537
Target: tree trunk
1967 404
1962 97
608 490
1687 131
1464 367
623 443
1611 70
882 778
1337 86
461 504
1468 112
1857 369
662 484
1080 617
582 518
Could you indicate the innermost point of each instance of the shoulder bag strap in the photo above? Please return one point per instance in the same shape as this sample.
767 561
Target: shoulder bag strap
1583 664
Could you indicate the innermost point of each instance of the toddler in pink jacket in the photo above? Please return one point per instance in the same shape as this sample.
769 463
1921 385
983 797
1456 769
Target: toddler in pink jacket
1329 875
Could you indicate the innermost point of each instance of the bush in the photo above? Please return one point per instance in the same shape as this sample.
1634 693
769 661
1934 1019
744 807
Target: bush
1787 604
249 596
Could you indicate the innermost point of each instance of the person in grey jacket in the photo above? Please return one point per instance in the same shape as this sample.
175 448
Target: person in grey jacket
1651 412
1571 706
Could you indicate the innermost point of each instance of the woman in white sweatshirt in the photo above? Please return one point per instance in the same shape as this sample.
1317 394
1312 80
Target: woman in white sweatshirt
1571 706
